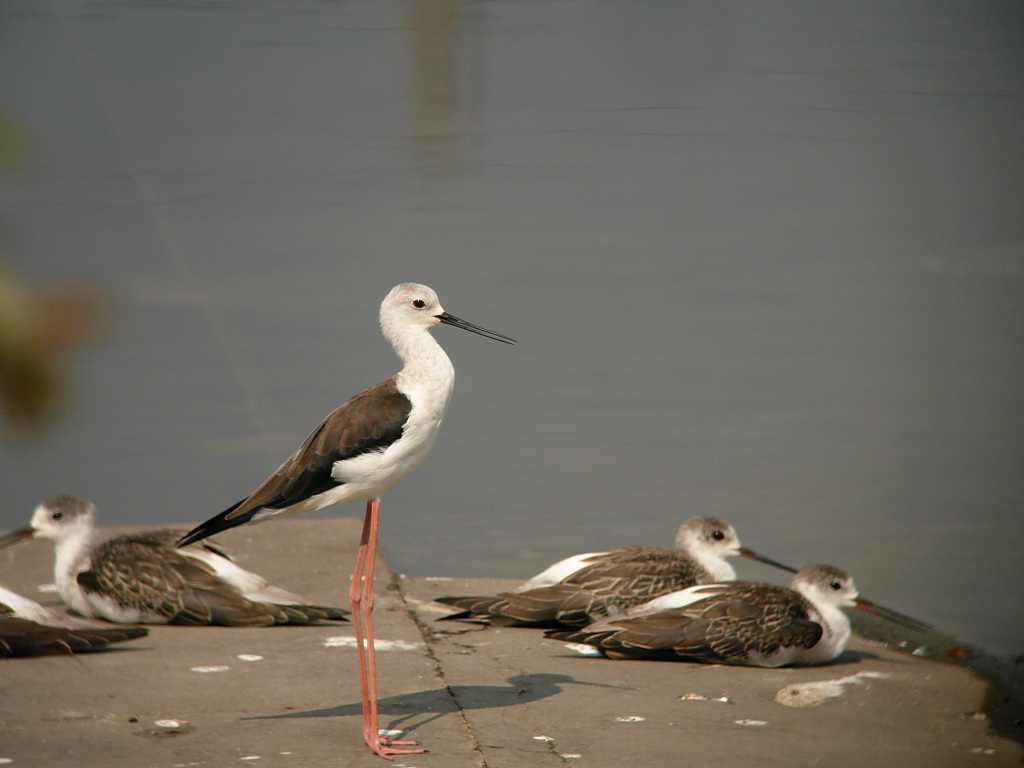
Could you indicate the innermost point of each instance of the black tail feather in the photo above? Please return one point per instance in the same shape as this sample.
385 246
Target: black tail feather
463 616
309 614
93 639
222 522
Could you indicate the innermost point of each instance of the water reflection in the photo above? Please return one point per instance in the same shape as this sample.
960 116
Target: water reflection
764 262
443 72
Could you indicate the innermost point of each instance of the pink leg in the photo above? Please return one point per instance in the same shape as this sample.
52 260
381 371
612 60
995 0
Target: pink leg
354 600
360 596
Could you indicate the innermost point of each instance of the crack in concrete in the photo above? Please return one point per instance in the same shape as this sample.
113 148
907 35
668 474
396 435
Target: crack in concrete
428 644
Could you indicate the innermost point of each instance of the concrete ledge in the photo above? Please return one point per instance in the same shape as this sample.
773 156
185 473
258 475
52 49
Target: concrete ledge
473 696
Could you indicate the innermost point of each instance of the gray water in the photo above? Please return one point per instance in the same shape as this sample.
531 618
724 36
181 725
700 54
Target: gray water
764 261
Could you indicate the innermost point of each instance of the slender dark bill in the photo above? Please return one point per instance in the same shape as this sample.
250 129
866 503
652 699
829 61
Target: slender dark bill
752 555
894 616
862 603
452 320
15 536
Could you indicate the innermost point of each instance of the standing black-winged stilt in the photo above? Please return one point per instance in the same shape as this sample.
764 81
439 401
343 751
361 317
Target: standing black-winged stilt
585 588
359 452
142 578
738 622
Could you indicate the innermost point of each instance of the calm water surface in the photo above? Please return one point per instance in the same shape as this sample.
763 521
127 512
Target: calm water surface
764 261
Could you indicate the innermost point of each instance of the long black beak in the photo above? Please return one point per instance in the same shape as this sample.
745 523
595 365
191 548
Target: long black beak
752 555
447 319
15 536
894 616
862 603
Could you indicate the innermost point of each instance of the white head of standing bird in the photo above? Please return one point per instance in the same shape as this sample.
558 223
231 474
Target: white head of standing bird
359 452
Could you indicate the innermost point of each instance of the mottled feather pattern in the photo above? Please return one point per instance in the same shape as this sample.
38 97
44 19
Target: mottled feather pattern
614 582
148 574
630 576
738 620
24 637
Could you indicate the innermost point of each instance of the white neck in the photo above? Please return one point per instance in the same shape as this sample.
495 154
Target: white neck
417 347
427 371
712 561
73 557
836 631
718 567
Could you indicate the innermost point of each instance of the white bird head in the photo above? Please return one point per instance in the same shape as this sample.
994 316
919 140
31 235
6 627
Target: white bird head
826 585
411 306
60 517
709 536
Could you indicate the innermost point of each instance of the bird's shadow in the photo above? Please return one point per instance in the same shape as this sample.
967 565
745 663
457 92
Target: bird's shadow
854 657
522 689
846 657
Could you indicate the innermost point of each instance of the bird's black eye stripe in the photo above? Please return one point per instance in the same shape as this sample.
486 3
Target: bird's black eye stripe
419 303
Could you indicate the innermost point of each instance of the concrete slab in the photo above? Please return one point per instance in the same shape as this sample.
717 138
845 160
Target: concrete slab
296 706
288 696
548 705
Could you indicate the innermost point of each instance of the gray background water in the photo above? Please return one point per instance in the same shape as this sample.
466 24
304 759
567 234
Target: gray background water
764 261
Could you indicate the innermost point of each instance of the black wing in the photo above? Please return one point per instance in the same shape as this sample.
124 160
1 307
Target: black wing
370 421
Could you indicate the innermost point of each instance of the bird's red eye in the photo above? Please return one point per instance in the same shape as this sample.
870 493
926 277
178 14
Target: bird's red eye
419 303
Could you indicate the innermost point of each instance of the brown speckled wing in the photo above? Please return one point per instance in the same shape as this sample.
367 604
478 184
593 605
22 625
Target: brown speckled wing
609 585
744 618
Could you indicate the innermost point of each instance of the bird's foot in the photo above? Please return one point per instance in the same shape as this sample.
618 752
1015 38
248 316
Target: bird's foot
385 747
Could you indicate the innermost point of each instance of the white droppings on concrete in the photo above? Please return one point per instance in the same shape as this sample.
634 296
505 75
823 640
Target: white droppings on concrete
583 649
542 738
983 751
212 668
250 757
702 697
389 733
438 578
920 651
46 588
249 657
816 693
169 723
345 641
630 719
570 755
428 605
6 760
752 723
